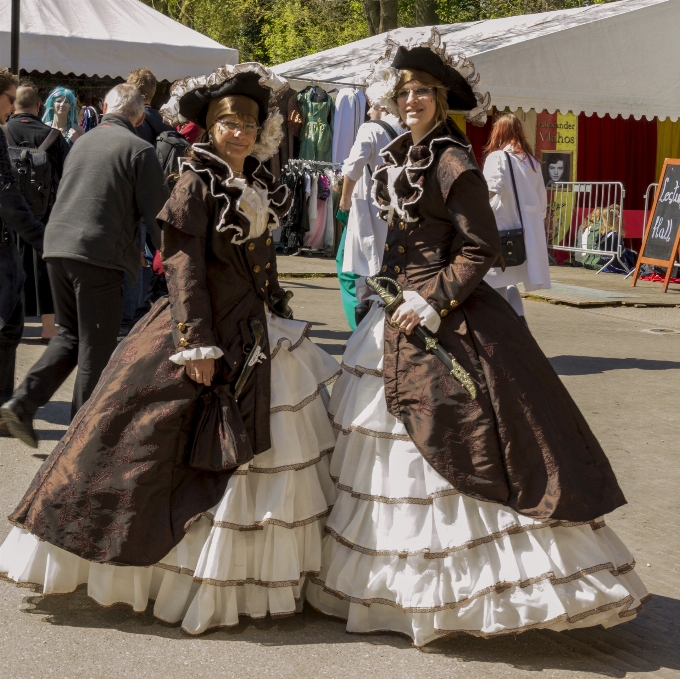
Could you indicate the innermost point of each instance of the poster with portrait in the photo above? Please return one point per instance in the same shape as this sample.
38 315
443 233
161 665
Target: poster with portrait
556 166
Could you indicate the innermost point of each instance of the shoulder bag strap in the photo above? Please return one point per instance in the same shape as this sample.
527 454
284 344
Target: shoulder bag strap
8 135
49 139
514 189
387 127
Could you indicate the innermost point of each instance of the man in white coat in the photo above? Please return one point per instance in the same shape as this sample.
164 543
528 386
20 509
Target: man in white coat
364 238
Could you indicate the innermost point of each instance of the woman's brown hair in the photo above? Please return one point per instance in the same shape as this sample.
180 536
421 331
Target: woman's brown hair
507 129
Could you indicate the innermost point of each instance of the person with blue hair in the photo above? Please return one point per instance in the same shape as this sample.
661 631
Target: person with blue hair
61 111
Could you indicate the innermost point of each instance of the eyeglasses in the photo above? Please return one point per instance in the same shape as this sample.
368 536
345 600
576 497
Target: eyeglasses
419 92
11 98
231 126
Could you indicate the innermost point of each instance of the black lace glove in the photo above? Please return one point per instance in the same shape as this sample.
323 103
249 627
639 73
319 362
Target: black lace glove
278 303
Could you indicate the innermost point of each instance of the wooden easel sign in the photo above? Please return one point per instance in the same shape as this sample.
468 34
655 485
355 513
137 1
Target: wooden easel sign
661 245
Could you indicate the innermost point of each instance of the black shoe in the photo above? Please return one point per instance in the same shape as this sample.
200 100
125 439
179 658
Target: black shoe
19 422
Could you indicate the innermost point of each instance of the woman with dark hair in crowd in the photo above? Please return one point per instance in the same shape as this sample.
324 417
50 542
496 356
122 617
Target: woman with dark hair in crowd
510 157
197 473
470 487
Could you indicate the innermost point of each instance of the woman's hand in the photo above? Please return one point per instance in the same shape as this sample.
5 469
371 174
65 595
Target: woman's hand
345 203
202 370
405 319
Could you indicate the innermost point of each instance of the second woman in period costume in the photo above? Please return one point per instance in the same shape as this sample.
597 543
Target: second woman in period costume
197 473
470 501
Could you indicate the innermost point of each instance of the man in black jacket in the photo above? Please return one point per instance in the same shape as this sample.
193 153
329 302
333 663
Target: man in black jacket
112 179
28 130
145 81
15 218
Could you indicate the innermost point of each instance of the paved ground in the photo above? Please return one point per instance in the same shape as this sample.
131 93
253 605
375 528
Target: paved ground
622 377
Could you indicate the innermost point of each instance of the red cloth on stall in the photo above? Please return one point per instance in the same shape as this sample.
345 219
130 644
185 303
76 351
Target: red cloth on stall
620 150
478 137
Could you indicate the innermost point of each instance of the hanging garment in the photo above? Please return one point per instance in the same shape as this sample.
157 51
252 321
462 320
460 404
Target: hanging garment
350 113
317 126
534 274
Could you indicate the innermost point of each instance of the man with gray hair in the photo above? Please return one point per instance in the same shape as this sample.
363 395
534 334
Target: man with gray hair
111 181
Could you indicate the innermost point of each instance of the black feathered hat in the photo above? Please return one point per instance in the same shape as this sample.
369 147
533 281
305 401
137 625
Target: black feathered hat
194 104
460 95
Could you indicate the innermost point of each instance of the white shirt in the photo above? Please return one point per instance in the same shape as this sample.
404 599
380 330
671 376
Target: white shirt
535 272
350 112
366 232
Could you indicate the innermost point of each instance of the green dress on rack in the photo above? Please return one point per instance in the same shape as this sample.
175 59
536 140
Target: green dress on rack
316 136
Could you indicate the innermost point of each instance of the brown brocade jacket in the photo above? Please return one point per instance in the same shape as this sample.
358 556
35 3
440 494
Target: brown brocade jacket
120 487
522 442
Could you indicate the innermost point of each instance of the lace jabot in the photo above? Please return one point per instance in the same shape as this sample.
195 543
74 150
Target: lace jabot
249 206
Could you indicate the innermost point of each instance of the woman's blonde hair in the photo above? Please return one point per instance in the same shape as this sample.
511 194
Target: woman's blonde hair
441 94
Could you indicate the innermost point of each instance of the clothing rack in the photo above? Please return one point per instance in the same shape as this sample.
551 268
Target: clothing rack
298 163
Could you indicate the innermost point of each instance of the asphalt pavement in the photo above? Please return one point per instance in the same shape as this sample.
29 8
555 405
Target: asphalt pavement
621 375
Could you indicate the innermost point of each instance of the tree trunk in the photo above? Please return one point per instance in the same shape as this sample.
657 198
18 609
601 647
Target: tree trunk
388 15
372 14
426 13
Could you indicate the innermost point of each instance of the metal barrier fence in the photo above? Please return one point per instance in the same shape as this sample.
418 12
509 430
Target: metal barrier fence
586 218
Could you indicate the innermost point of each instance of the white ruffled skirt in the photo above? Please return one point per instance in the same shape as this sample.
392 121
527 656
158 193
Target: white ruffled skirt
406 552
250 555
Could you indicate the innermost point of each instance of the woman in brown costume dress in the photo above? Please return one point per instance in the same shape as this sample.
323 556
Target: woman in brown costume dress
458 513
132 501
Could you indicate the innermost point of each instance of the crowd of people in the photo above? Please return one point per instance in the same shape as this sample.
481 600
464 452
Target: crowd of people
435 491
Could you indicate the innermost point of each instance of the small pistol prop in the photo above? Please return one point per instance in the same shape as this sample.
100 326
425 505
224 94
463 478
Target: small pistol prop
392 301
255 356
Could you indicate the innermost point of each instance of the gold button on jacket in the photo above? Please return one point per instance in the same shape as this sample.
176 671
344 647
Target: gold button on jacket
268 241
181 327
444 312
384 269
251 246
183 343
397 269
401 249
256 268
454 303
267 265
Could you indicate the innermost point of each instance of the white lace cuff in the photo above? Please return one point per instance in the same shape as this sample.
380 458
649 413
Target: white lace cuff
182 357
429 317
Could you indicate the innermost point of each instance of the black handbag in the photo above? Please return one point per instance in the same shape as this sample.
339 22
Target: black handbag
220 439
513 248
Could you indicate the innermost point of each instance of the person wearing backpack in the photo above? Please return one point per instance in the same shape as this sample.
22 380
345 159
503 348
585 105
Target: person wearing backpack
363 241
16 218
26 130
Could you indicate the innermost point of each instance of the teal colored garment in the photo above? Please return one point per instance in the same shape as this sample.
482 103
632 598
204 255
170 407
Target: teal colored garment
316 136
347 282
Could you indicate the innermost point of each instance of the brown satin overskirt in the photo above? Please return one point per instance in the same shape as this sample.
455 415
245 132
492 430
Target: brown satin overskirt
523 442
118 488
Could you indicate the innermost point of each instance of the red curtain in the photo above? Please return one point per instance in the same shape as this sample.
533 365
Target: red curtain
614 149
479 136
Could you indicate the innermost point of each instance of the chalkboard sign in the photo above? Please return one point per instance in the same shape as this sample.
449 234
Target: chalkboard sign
662 236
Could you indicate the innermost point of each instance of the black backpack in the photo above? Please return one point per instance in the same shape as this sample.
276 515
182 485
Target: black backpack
170 147
33 171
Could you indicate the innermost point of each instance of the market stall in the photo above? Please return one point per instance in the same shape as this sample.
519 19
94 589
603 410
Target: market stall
594 86
104 38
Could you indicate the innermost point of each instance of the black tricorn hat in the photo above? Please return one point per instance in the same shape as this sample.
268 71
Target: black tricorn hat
194 104
460 94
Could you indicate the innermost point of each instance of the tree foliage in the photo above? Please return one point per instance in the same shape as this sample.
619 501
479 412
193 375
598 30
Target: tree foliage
273 31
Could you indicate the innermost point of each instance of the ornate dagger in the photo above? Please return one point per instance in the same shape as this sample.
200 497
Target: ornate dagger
255 356
431 343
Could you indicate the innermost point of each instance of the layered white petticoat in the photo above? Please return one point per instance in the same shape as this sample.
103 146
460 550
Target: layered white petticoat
406 552
251 553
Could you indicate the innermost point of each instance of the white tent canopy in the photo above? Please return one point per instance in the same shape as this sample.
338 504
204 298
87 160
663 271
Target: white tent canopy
619 58
107 38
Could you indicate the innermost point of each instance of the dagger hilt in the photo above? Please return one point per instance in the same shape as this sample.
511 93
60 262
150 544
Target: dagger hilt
392 301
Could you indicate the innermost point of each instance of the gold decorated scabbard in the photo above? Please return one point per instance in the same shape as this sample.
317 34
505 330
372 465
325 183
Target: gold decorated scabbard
381 286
